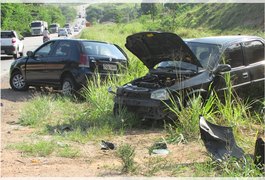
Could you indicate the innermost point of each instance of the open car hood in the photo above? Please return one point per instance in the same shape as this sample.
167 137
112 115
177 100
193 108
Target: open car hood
154 47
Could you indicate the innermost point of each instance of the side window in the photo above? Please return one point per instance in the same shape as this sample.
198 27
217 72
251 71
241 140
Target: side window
254 51
44 50
234 55
63 49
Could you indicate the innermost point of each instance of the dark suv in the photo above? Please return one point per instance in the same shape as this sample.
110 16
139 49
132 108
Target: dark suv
66 64
190 67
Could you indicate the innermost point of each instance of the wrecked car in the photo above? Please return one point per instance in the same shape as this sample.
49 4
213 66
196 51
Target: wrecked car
187 68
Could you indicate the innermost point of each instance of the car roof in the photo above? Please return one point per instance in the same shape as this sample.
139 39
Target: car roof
222 40
81 40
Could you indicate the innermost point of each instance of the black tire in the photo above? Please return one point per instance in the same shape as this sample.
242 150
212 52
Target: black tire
16 55
68 86
21 54
17 82
116 110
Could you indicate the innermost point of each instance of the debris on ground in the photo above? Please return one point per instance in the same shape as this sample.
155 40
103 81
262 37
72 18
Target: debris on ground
107 145
259 153
159 148
219 141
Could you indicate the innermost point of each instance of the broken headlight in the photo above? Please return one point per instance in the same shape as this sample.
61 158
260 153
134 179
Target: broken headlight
160 94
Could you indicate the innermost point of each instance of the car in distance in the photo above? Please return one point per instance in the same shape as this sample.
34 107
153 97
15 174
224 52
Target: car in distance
62 32
69 31
180 69
11 43
76 29
66 64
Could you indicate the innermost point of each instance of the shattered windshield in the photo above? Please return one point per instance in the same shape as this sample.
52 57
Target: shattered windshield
207 54
178 65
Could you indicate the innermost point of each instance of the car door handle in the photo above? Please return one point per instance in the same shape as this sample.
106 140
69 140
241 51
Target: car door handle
245 75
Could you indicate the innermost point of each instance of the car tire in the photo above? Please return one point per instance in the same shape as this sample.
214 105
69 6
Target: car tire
17 82
21 53
16 55
116 111
68 86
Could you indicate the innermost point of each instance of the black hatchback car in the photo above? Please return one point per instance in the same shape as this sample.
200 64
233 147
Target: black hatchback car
66 64
190 67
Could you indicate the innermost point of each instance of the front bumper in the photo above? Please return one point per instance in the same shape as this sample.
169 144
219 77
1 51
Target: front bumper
144 108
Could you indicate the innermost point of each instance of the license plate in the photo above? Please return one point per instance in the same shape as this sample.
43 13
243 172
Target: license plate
2 51
111 67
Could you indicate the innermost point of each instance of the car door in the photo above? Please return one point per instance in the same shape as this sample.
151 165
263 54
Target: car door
36 65
254 55
60 61
239 74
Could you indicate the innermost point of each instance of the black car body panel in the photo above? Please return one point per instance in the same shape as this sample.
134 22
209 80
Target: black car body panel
154 47
55 59
147 96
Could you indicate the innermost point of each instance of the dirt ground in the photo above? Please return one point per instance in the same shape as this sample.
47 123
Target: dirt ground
93 162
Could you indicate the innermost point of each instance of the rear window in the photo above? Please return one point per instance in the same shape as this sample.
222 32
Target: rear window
103 49
7 34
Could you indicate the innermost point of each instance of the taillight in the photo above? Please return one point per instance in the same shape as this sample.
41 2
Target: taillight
84 61
13 40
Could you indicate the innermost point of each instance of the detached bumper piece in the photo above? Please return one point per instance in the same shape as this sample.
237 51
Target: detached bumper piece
219 141
259 154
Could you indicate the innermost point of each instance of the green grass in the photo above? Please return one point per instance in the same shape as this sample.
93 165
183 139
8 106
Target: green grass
126 153
40 148
92 119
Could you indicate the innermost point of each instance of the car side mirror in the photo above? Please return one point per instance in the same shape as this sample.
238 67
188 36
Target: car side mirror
222 68
30 54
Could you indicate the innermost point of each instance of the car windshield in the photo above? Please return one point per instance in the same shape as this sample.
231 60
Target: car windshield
207 54
178 65
103 49
54 25
36 24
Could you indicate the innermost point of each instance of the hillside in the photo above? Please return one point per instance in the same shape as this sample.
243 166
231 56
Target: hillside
224 16
221 17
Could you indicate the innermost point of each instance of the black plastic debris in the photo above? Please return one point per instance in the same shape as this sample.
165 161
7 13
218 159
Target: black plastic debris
107 145
259 154
219 141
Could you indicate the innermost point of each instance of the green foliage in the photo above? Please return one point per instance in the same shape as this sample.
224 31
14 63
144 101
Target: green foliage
68 152
111 13
41 148
36 112
126 153
12 14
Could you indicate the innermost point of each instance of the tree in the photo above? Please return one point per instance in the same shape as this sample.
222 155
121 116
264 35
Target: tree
149 8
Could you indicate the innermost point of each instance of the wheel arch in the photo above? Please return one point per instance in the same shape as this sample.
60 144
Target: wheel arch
66 74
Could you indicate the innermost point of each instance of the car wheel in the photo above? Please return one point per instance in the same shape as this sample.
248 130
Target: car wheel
17 82
21 53
68 86
16 55
116 110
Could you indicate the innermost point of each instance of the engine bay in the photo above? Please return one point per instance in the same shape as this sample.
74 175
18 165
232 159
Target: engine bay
159 80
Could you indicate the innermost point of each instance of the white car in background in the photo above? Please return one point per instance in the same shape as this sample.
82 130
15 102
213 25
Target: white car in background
62 32
11 43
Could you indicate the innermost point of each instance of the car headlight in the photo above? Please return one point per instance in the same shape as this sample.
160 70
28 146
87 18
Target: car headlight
160 94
